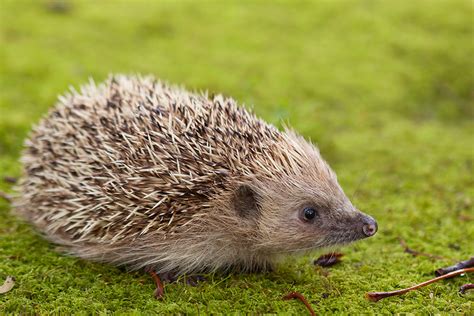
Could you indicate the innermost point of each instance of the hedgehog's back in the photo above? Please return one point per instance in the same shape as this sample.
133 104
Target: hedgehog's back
133 156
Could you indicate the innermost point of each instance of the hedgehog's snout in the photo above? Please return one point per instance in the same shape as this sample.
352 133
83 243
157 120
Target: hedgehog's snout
369 227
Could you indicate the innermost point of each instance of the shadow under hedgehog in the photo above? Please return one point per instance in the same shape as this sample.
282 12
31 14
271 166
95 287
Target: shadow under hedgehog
140 173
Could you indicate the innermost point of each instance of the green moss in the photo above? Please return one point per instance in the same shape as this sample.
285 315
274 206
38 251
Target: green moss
383 87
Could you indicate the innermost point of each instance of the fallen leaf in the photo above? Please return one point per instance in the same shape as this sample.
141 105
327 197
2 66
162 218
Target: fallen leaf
7 285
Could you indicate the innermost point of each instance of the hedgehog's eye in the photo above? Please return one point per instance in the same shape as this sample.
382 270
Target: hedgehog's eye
309 213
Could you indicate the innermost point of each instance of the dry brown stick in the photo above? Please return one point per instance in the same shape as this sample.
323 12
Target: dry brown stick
466 287
415 253
299 296
375 296
460 265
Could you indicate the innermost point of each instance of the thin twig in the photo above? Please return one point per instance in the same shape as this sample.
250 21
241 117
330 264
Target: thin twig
460 265
466 287
299 296
375 296
415 253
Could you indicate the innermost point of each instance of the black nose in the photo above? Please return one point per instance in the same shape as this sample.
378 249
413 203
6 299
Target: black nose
370 226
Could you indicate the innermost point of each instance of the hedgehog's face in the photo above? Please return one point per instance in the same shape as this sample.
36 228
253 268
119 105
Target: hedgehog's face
296 216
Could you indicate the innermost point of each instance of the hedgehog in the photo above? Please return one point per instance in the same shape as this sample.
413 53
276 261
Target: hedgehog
136 172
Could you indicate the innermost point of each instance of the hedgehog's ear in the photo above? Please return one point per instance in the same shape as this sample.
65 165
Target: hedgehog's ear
245 202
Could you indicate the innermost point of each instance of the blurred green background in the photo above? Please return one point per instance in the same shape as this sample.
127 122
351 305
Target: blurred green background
385 88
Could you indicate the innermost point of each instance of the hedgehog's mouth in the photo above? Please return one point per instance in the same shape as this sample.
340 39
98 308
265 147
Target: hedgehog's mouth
342 238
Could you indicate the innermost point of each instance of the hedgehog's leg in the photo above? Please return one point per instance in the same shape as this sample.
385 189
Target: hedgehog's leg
159 291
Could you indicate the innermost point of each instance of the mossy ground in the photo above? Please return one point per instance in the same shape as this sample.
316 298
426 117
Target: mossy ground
385 88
